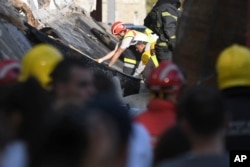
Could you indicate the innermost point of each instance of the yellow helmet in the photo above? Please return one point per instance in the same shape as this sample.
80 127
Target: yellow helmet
233 67
39 62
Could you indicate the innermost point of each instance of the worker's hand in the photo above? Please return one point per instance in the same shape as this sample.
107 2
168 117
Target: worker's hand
136 75
171 44
99 60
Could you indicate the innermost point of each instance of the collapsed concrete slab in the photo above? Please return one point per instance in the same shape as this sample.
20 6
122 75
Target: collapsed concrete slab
69 29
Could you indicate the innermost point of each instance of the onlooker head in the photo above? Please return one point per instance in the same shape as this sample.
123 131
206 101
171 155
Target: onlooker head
9 71
109 105
26 108
72 82
65 141
203 111
166 81
173 143
39 62
233 66
204 122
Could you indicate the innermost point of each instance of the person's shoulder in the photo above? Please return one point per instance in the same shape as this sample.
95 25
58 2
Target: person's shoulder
190 160
140 130
176 162
143 114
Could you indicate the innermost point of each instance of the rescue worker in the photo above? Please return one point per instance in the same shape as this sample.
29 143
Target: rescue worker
143 46
125 37
162 20
38 63
233 66
165 83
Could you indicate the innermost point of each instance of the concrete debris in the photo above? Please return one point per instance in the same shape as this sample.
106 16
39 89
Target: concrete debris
65 25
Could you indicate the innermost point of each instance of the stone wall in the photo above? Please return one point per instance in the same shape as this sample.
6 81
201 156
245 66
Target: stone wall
128 11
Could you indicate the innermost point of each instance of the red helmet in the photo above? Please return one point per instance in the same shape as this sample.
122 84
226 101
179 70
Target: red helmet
117 27
166 78
9 71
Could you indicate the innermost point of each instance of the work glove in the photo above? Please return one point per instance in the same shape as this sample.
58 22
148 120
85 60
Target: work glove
136 75
145 57
172 43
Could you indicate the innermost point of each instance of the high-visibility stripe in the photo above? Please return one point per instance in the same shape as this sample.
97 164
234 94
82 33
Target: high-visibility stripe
130 33
148 31
129 65
151 39
152 46
168 14
173 37
131 61
162 44
155 61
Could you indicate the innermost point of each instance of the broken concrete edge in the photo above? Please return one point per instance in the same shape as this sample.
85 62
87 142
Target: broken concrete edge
10 14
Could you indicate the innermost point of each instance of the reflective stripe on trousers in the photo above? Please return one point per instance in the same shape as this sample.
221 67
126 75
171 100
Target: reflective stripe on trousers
128 60
129 65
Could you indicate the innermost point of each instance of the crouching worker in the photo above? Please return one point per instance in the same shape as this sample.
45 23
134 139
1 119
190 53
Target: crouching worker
125 37
146 47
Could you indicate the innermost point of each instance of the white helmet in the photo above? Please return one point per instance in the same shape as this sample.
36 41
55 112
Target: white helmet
140 37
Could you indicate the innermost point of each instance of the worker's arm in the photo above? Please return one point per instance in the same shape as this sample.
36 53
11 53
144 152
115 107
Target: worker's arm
144 60
139 69
108 55
125 43
169 27
116 56
169 24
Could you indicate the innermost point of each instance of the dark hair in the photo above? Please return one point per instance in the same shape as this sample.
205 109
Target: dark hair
103 83
114 109
141 42
61 73
65 143
202 107
171 144
33 103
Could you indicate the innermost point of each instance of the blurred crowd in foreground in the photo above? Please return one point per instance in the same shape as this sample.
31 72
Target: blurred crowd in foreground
55 112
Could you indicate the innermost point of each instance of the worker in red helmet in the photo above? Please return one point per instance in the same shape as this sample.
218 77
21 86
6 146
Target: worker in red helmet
125 37
9 71
165 83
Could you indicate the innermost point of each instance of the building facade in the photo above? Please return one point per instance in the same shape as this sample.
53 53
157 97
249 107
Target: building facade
128 11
